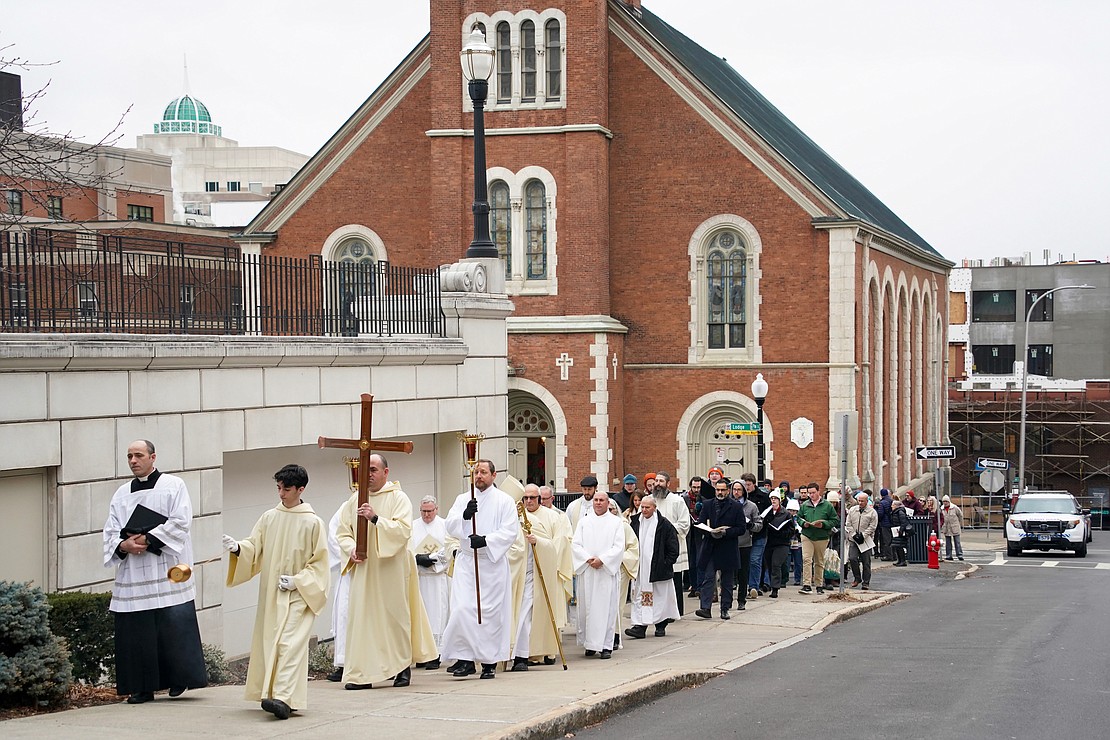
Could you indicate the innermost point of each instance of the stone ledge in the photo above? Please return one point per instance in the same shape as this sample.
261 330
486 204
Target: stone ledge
55 352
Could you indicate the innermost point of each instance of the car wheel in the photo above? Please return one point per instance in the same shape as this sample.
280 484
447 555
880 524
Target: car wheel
1081 551
1011 549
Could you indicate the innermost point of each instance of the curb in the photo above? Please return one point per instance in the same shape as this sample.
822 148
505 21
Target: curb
601 706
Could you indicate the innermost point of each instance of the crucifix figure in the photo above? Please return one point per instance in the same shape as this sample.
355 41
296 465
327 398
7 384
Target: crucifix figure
565 362
614 366
364 445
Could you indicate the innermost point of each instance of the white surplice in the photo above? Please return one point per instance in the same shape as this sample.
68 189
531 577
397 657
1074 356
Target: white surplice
341 592
600 537
652 602
432 540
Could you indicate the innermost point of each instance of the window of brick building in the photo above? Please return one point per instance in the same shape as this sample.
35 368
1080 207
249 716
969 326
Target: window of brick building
87 301
529 58
14 200
726 271
522 225
54 207
140 213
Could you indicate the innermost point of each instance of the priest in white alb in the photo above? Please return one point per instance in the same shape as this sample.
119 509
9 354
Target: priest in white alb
340 597
653 596
492 512
287 550
597 553
387 627
432 549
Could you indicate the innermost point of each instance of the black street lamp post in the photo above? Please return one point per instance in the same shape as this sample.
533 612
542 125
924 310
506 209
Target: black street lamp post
477 65
759 393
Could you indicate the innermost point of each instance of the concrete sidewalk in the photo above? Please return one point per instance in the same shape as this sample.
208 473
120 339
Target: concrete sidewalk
542 702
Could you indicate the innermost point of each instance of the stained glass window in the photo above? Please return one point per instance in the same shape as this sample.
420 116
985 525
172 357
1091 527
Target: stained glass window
726 269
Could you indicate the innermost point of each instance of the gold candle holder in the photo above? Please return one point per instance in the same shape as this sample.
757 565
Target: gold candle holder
352 467
471 445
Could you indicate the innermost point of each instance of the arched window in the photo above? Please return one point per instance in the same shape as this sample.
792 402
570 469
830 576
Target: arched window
528 61
355 250
553 60
504 63
726 270
535 224
500 222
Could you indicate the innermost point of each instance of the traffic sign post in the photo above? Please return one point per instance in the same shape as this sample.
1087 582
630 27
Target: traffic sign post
936 452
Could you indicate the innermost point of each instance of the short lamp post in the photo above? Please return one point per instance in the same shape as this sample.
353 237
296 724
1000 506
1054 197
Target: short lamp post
477 66
759 393
1025 379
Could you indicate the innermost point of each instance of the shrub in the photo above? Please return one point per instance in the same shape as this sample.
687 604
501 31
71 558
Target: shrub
215 663
86 624
34 663
320 658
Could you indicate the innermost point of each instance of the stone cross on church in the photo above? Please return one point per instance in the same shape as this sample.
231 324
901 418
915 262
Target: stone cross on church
565 362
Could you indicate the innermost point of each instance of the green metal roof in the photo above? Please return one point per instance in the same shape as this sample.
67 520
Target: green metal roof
778 131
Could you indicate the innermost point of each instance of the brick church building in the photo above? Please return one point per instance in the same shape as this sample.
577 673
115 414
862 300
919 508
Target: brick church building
666 234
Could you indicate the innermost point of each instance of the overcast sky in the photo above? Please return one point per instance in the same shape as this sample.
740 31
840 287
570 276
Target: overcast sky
982 123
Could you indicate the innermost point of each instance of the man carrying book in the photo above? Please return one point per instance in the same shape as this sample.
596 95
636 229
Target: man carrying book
145 536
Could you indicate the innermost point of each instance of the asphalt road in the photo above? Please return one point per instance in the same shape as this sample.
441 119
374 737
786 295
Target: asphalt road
1017 650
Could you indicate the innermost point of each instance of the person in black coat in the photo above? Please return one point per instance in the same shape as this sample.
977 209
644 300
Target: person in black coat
780 528
664 554
719 552
899 541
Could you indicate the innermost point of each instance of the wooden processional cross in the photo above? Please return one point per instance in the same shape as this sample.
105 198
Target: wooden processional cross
365 446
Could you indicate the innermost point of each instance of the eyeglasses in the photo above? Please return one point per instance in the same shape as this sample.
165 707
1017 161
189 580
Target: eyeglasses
530 498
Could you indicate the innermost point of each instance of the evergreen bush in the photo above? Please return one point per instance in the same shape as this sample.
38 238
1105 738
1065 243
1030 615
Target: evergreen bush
34 663
215 663
88 628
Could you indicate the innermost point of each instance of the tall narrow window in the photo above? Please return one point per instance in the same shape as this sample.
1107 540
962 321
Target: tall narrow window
535 220
188 296
54 207
15 202
234 186
86 300
1040 360
553 60
726 269
504 64
17 298
527 61
500 212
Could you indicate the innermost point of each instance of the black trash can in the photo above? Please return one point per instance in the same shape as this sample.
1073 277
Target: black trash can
916 551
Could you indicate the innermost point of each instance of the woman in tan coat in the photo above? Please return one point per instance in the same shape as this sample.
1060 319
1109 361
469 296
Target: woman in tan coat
953 522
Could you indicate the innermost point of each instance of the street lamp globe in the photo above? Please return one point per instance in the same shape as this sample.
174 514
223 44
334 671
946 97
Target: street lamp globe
477 57
759 387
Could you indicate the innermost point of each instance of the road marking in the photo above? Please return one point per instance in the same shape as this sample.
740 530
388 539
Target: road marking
1102 566
1050 563
998 559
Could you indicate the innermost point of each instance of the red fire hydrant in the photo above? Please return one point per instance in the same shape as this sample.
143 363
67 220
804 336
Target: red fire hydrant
934 550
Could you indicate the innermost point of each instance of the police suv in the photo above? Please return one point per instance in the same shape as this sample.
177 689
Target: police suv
1048 521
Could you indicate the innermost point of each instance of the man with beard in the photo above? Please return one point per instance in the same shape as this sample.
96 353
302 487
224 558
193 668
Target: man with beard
674 510
465 640
581 507
723 521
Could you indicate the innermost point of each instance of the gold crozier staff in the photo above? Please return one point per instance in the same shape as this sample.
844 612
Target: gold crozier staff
539 572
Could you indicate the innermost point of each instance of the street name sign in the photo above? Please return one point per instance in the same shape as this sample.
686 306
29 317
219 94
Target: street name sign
738 429
987 463
937 452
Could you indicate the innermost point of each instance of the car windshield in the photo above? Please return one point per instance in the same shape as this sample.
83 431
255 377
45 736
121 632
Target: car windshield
1036 505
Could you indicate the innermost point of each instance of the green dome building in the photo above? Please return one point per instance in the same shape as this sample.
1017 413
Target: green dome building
187 115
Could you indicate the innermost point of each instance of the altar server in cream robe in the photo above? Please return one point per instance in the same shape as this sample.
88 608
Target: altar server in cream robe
288 550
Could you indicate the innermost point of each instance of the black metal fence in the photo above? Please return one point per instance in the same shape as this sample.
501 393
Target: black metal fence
69 281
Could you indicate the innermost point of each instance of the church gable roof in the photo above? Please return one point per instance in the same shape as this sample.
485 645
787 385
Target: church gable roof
778 131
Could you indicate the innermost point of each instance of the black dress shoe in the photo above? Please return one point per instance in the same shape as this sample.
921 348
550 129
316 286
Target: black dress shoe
606 654
820 590
466 668
549 660
357 686
431 665
402 679
141 698
455 666
704 613
660 631
725 614
280 709
591 653
489 670
774 593
637 632
176 691
519 664
336 675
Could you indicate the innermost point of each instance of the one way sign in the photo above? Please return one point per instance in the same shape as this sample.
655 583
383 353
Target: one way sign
987 463
938 452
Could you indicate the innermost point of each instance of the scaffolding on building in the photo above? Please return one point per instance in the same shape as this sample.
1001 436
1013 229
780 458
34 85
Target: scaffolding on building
1067 441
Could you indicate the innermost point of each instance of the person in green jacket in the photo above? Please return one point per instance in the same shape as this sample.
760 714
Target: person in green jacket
817 518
